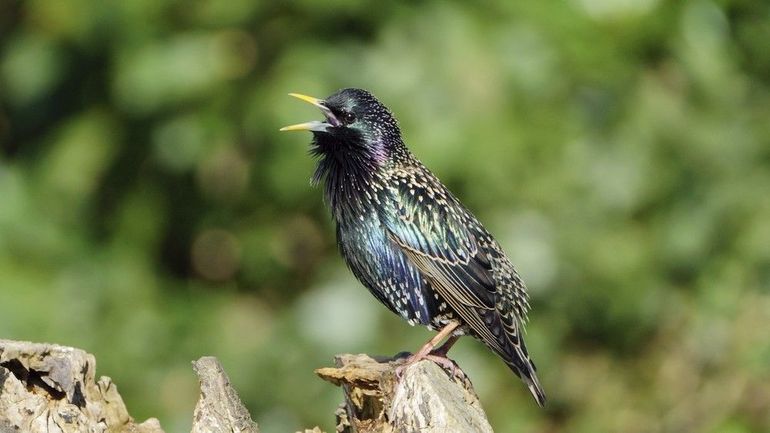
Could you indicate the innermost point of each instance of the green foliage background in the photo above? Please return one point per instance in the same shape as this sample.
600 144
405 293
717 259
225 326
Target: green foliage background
151 213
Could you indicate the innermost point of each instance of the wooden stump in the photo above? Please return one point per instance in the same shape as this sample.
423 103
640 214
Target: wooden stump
219 408
47 388
427 399
52 388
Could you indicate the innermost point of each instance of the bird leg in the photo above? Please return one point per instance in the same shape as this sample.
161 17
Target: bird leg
437 356
444 349
430 345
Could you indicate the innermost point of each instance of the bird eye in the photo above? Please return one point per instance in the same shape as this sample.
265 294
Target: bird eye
348 117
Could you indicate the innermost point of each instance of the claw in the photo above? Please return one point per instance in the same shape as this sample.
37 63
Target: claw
428 351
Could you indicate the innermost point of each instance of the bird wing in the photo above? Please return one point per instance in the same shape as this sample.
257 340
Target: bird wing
437 235
466 267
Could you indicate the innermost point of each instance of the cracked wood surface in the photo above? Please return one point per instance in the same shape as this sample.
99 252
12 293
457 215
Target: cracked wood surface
425 400
52 388
47 388
219 408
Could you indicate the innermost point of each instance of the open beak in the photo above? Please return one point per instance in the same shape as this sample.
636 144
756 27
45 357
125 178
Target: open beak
314 125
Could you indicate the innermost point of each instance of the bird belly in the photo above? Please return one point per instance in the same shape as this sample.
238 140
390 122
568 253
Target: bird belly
387 272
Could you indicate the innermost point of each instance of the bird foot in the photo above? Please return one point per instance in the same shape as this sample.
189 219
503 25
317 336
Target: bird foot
429 351
437 357
411 359
448 365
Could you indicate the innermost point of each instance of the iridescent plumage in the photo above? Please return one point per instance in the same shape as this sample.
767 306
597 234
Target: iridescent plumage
408 239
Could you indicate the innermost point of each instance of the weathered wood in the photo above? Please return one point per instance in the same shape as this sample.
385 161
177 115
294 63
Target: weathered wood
426 399
49 388
46 388
219 408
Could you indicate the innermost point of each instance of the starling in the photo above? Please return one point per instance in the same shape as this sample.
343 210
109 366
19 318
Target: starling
409 240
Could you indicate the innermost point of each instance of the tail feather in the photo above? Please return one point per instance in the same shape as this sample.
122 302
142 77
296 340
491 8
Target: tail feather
509 345
525 369
535 388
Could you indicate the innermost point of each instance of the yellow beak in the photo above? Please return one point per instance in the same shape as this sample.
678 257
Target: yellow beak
313 125
307 126
315 101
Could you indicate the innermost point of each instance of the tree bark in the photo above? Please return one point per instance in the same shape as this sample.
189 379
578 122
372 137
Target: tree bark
47 388
52 388
219 408
426 399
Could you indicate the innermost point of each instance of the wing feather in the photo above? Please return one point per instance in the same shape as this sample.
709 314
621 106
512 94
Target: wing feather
459 258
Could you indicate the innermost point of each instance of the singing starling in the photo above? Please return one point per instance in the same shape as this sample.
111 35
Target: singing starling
409 240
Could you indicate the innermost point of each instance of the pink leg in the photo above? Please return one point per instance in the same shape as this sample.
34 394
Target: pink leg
444 349
439 356
426 351
448 365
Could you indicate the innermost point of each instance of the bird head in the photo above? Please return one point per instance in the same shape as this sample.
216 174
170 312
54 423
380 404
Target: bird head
356 127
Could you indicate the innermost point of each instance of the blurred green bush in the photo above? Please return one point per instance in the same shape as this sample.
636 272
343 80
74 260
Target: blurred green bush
151 213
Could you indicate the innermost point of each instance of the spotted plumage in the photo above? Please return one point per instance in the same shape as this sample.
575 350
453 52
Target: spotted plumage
408 239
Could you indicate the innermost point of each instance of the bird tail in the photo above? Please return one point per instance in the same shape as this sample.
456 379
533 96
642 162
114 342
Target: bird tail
535 388
527 373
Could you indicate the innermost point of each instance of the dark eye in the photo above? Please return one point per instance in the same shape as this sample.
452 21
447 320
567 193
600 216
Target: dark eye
348 117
